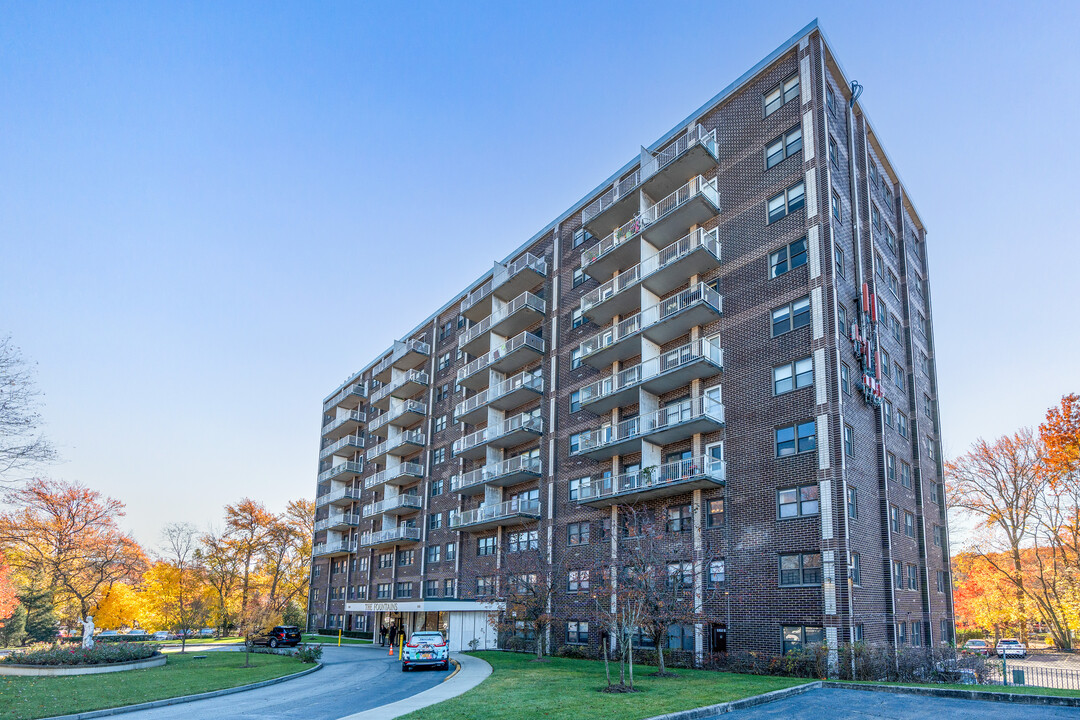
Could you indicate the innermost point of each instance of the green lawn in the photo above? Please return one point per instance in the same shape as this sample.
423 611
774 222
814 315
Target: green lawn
562 689
332 640
202 641
30 697
1020 689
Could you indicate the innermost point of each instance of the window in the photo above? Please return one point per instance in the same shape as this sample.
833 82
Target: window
787 202
941 581
898 574
579 276
716 571
780 94
890 467
787 258
849 441
575 358
894 518
856 569
679 519
886 192
912 577
577 581
783 147
382 590
905 474
888 411
438 455
939 536
434 553
798 374
885 360
403 590
578 484
575 401
845 385
834 153
791 317
577 533
577 318
440 423
857 633
916 633
715 510
901 424
901 633
680 575
929 448
837 207
796 439
577 632
436 488
386 560
926 407
444 361
446 330
431 588
873 173
485 545
485 585
879 266
924 363
852 502
581 236
830 98
451 551
894 285
838 257
363 564
442 392
909 524
796 637
448 587
798 501
917 284
522 541
841 319
605 529
435 521
898 375
405 557
680 637
920 322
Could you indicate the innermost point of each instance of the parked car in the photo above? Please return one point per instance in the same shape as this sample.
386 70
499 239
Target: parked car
278 636
1011 647
105 634
163 635
425 649
977 647
206 632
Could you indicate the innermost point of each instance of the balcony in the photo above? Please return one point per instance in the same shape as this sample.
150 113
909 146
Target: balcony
614 207
348 398
673 369
672 317
404 386
667 425
347 424
521 312
340 547
405 355
401 505
693 153
674 478
661 273
661 224
338 521
485 517
408 413
512 392
506 283
345 447
403 474
346 471
512 355
509 433
344 496
392 536
500 474
403 445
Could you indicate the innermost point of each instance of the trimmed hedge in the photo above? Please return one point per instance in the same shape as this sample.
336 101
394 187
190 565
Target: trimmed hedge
116 652
356 634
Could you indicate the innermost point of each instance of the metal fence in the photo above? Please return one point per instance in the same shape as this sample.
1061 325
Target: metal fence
1022 673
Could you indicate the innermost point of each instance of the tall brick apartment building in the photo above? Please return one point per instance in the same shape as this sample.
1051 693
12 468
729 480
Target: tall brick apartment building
731 334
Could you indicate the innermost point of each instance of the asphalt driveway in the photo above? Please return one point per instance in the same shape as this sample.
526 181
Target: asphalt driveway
353 679
862 704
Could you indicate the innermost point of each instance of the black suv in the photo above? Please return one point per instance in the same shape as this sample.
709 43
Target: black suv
277 636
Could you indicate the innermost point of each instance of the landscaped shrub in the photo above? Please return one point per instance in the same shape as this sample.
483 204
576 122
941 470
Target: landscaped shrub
308 653
356 634
56 654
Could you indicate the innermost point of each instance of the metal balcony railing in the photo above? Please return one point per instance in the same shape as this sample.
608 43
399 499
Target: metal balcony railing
707 239
420 377
525 300
349 441
401 351
693 136
354 416
525 421
488 473
523 340
616 192
334 548
500 511
356 389
654 478
501 274
645 425
405 500
400 533
411 437
532 380
350 519
409 406
412 469
352 466
700 349
342 494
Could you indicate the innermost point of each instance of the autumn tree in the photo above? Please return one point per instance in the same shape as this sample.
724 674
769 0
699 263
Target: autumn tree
21 442
531 587
176 584
8 598
222 571
1060 435
248 526
66 536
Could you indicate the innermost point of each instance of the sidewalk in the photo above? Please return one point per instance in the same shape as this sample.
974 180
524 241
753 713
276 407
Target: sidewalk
472 672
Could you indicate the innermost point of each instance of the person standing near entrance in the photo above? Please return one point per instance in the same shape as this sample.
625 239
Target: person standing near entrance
393 634
382 636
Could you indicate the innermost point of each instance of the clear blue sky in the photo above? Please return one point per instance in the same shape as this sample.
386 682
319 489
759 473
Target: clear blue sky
208 211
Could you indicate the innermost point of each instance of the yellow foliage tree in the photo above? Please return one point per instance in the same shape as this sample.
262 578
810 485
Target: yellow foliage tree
122 606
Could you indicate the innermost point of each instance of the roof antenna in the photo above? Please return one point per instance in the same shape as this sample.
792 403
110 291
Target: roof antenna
856 91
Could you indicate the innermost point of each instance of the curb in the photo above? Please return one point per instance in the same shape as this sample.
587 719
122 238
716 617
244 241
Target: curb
722 708
457 669
433 695
106 712
1003 697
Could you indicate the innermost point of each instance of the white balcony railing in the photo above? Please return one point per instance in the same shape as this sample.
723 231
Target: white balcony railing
654 478
615 193
410 437
334 496
532 380
405 500
400 351
419 377
521 301
707 239
666 308
409 406
351 466
523 340
525 421
356 389
349 441
520 464
342 546
499 511
410 469
501 274
354 416
402 532
700 349
350 519
693 136
644 425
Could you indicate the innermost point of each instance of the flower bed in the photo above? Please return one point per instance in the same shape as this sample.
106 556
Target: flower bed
100 654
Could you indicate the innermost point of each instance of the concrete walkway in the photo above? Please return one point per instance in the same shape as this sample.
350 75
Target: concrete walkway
473 672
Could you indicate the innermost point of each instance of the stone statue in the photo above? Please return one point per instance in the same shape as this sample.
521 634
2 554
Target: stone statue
88 632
